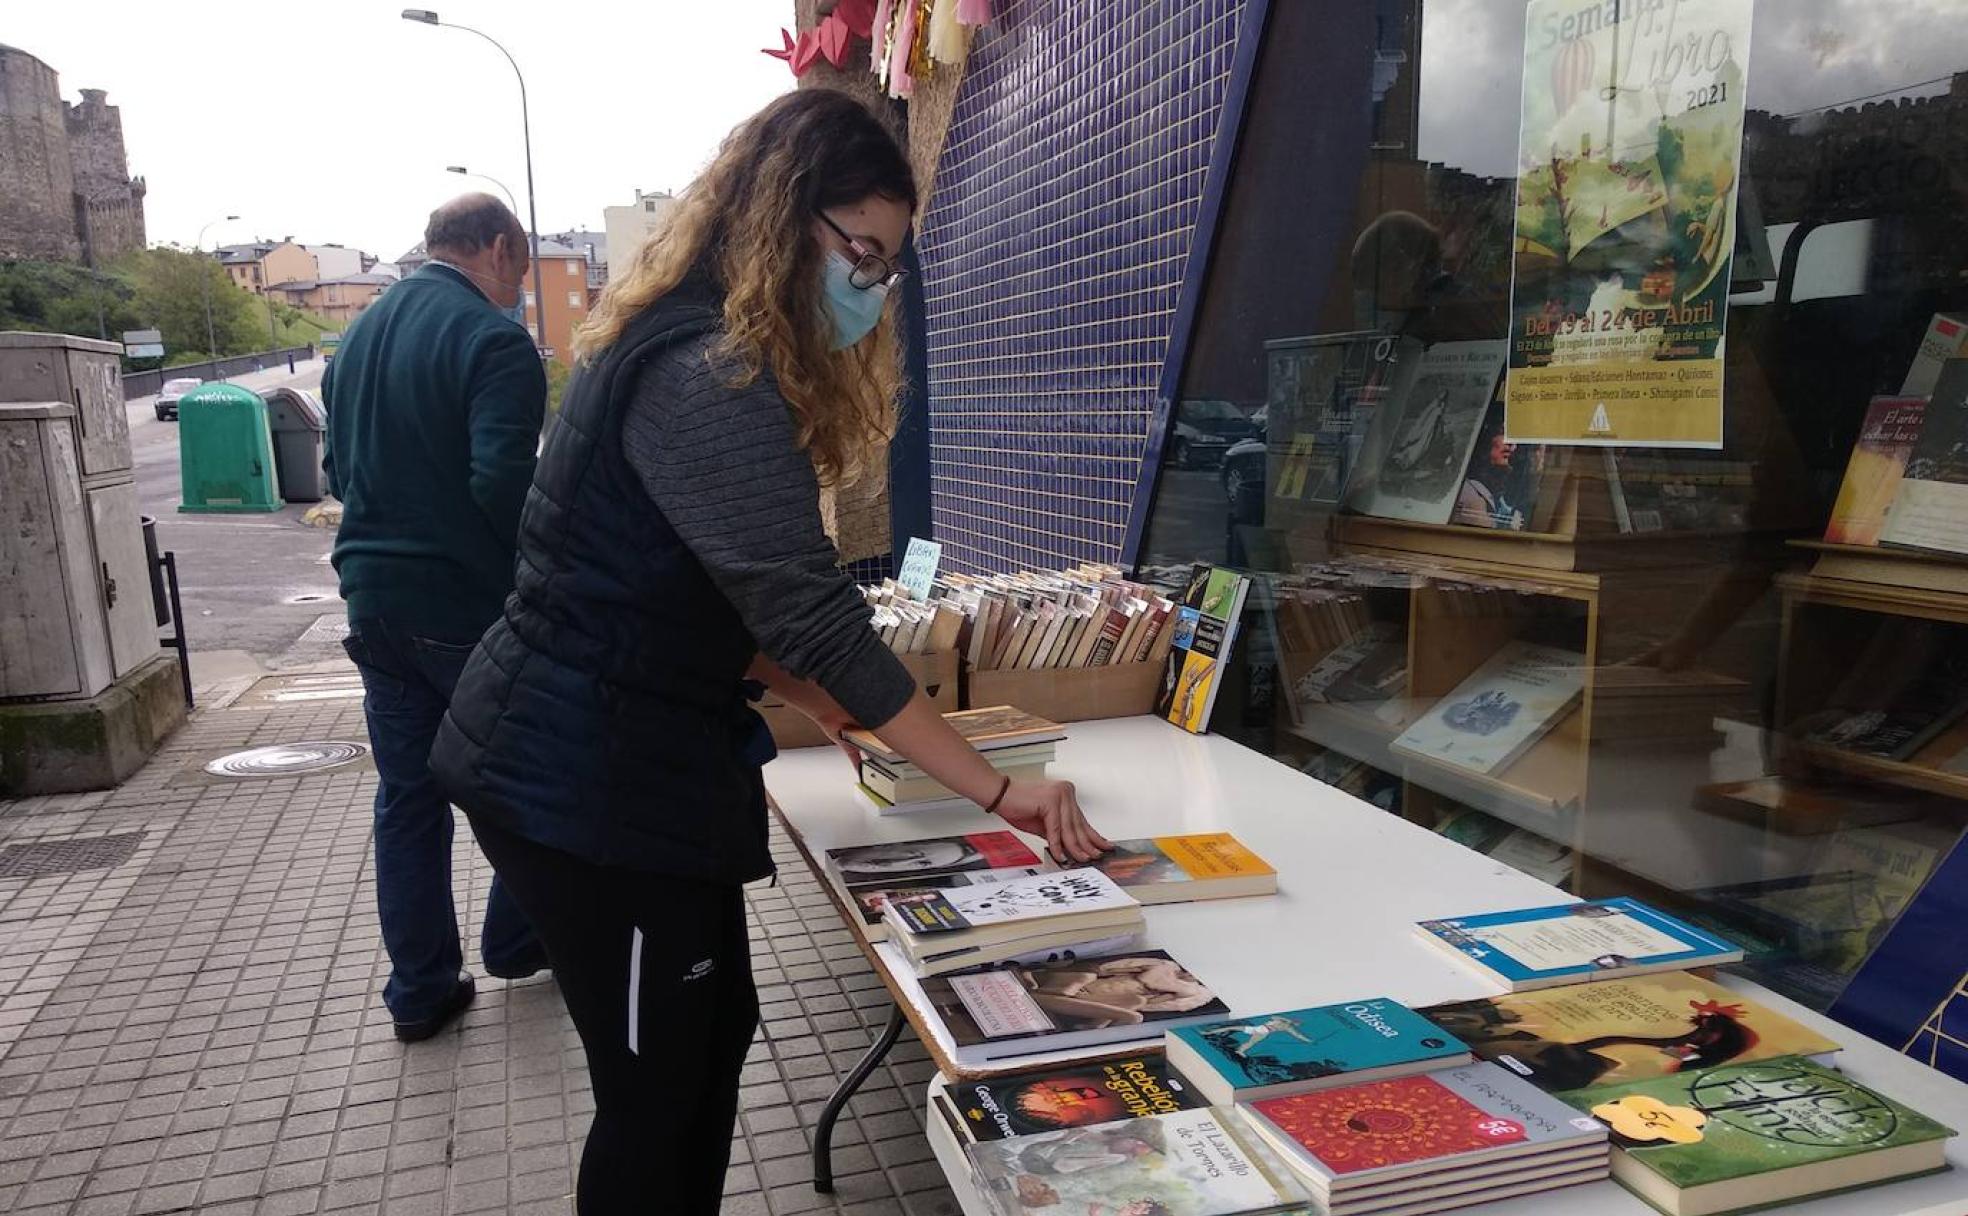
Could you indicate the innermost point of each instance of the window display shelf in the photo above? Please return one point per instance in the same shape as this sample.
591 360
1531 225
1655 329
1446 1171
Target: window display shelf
1904 774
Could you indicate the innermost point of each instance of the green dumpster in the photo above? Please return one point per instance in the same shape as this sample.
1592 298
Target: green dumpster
225 451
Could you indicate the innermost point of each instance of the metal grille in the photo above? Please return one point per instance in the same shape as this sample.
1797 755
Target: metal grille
1053 255
46 858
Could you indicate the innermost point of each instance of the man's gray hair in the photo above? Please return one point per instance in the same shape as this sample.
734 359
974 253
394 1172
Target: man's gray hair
469 223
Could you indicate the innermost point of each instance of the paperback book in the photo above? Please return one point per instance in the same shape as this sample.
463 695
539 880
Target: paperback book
1205 628
1930 511
1633 1029
1323 395
949 930
989 729
1373 1137
867 874
872 898
1370 667
1180 869
1744 1136
1598 939
1873 472
910 861
1500 710
1081 1095
1425 439
1101 1000
1510 487
1946 338
1244 1059
1185 1163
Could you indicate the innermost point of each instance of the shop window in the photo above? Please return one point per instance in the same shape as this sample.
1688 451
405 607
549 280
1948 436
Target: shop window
1528 373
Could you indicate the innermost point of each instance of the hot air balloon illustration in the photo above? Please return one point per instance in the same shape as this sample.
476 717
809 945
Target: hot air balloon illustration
1571 72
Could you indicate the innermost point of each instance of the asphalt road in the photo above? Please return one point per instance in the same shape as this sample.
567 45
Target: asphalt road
251 583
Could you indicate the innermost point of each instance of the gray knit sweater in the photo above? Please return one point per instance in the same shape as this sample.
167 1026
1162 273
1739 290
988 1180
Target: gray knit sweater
723 467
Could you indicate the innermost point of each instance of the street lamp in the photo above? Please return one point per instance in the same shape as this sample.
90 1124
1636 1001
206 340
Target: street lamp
205 282
461 171
426 16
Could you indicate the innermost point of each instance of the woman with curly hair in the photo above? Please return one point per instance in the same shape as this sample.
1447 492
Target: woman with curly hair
671 558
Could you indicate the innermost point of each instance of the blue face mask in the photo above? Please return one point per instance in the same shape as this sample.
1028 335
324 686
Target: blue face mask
855 310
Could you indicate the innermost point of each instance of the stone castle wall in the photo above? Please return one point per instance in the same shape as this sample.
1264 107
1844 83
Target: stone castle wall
37 177
66 193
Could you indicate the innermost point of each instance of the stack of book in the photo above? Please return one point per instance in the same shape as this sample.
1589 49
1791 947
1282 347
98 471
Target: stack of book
951 930
1017 744
867 875
1433 1141
1195 1162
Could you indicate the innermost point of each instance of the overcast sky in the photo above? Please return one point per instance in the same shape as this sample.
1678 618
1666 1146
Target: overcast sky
334 122
1803 54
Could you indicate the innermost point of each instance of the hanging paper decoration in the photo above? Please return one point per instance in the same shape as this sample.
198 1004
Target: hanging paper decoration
884 39
902 82
827 40
974 12
946 36
921 66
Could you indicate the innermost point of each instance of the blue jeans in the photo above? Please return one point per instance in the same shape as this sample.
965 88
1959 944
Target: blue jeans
407 681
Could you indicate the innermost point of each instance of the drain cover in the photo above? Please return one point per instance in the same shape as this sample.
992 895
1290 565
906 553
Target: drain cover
287 759
44 858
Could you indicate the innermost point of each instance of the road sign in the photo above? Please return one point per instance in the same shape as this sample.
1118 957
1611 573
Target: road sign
143 344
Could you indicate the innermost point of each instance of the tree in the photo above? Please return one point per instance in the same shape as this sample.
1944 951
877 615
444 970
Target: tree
170 288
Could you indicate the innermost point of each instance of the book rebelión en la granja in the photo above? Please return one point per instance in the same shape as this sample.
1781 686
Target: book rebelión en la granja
1629 156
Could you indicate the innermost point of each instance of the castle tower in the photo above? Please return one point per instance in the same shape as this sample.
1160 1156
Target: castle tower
37 177
108 201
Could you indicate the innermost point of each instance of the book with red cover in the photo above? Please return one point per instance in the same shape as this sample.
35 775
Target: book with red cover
1365 1136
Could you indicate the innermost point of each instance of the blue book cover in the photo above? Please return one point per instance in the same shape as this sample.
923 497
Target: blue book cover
1304 1045
1573 943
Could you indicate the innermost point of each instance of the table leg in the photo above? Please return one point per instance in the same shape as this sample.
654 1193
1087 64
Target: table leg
823 1132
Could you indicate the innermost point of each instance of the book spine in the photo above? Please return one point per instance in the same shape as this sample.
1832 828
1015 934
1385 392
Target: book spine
1111 630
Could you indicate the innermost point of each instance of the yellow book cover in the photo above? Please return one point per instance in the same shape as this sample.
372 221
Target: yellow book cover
1173 869
1872 476
1622 1030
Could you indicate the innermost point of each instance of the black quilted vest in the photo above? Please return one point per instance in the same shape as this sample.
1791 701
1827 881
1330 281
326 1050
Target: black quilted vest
606 713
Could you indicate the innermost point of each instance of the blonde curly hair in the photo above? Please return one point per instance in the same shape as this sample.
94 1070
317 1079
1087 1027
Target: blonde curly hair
748 222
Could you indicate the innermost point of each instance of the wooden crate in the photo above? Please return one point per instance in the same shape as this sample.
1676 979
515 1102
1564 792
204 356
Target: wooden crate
1069 694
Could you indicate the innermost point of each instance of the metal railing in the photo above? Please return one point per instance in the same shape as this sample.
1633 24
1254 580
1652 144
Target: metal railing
143 384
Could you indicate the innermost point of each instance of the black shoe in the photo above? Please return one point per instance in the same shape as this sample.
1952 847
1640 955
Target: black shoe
455 1004
531 963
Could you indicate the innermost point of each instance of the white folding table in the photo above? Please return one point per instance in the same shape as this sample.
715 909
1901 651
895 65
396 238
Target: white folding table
1352 882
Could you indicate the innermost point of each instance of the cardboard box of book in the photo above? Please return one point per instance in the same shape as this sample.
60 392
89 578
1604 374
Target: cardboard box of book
1070 694
936 675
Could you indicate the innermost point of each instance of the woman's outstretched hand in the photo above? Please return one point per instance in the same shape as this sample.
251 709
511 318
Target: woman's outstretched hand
1052 810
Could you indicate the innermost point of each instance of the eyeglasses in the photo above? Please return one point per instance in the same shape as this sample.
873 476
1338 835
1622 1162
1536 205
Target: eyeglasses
870 269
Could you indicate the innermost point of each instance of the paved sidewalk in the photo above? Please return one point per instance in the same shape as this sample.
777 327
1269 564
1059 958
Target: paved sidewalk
191 1024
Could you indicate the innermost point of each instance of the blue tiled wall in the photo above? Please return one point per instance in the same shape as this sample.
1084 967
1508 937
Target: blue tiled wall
1053 253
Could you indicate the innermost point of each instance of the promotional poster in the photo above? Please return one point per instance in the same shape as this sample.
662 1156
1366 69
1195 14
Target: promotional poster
1628 162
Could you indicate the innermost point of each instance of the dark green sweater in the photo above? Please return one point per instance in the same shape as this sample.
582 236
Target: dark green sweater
435 402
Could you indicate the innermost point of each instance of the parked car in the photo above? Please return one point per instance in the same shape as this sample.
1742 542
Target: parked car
167 397
1243 469
1204 431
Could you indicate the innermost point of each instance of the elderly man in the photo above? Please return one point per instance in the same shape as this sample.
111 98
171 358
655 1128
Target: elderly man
435 402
